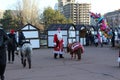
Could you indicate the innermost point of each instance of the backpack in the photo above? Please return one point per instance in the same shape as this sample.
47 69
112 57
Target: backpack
11 40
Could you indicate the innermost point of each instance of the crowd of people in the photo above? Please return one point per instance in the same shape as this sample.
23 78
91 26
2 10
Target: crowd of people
99 39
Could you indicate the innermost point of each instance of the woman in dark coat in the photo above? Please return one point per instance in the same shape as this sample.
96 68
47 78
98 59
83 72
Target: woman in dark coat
3 41
12 45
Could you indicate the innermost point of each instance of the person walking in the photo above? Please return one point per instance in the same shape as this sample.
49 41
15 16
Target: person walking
113 39
100 39
87 39
96 40
21 39
3 42
12 46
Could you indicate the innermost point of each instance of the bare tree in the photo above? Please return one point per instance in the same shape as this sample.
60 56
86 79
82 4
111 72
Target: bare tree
27 11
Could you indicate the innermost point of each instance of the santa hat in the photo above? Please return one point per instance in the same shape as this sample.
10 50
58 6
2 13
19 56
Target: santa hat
12 31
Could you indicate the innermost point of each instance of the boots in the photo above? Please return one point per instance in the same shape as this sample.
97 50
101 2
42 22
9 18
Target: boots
55 56
61 56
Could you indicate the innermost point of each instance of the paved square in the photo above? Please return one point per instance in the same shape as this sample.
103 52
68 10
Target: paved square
97 64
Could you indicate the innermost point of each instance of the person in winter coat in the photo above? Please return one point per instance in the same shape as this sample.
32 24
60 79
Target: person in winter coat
96 40
3 42
12 46
21 38
113 39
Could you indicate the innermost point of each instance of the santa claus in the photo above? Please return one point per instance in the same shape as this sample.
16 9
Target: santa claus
58 44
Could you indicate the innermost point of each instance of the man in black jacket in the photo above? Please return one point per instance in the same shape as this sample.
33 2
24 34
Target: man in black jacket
3 41
21 38
113 38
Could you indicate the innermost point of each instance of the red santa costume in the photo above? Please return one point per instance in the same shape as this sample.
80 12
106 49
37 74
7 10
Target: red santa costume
58 44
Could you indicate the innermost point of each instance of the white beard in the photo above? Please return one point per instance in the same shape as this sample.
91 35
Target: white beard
59 35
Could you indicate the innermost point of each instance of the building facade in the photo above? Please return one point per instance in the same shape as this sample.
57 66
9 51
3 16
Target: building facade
1 13
61 3
79 13
113 18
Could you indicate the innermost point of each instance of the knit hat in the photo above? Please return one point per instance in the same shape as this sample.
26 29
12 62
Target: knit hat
12 31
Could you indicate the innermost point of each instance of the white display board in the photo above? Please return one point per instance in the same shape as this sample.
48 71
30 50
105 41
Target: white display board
35 43
50 41
31 34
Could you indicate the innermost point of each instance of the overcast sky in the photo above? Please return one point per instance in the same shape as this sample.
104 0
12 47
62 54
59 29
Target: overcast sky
97 6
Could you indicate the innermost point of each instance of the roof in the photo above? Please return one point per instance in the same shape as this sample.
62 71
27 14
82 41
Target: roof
78 27
27 25
62 26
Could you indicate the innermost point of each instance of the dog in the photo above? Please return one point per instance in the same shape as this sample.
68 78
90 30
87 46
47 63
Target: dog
75 49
